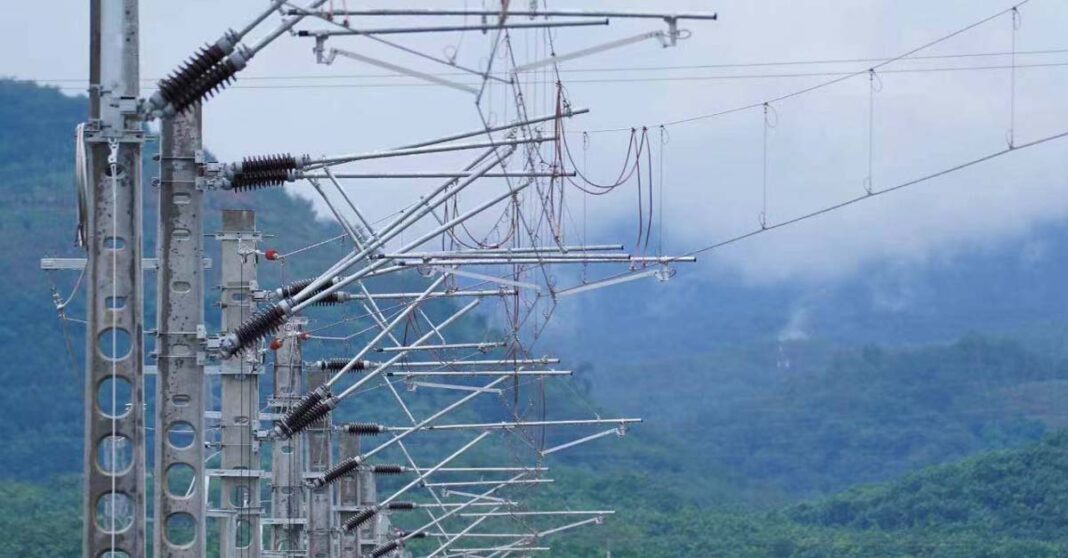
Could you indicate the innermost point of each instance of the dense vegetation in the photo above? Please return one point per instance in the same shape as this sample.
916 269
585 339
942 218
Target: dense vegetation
1009 504
739 434
1015 493
812 418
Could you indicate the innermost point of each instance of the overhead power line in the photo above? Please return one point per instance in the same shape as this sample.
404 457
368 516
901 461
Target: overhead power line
609 69
876 193
864 72
652 80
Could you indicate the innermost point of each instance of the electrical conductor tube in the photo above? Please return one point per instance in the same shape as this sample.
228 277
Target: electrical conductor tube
380 551
263 171
255 328
336 364
286 428
337 471
363 428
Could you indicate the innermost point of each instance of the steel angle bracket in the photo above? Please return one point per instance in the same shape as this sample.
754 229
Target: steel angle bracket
209 173
327 57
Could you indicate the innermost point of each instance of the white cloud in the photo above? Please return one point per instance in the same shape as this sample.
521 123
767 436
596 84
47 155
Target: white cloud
817 154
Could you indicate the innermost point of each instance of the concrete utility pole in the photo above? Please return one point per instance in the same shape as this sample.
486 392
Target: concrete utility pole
239 533
114 493
349 494
179 528
288 517
319 459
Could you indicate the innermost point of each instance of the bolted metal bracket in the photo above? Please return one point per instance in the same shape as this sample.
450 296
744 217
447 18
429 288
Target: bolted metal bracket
96 132
237 236
211 175
202 341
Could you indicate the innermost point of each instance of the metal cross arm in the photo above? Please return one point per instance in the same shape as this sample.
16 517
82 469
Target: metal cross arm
449 225
520 424
422 530
418 12
539 260
521 544
369 513
215 66
538 513
475 373
275 170
264 322
448 28
430 202
319 402
353 463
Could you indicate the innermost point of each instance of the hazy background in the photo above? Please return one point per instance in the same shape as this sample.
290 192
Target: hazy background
916 341
817 154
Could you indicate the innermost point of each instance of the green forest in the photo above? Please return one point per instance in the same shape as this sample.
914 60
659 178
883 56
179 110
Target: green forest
946 448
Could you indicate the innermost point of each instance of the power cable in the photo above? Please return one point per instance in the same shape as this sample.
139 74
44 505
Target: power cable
1012 10
629 69
845 75
876 193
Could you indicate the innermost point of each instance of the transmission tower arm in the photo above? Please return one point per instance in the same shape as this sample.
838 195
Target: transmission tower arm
215 66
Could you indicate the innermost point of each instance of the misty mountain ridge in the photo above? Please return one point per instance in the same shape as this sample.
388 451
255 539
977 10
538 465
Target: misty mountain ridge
1004 288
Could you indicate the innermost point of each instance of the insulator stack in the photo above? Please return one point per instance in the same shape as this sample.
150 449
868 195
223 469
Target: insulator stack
306 404
261 172
329 300
387 469
360 518
288 427
415 535
258 326
363 428
184 90
291 290
401 506
307 401
200 63
336 364
384 549
338 471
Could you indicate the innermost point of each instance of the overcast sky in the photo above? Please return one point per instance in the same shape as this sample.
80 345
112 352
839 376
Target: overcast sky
817 153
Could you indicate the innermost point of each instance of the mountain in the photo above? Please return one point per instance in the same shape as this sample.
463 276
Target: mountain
43 400
1004 287
757 396
37 218
1007 504
870 414
1015 494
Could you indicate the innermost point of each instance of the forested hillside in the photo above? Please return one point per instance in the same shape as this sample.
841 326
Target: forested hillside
738 431
43 407
811 418
1010 504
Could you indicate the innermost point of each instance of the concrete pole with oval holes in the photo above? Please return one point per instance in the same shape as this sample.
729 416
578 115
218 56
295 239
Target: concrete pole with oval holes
239 377
179 529
288 510
114 493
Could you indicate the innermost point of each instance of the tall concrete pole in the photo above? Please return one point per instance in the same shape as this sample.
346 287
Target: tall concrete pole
114 495
239 533
288 514
179 527
349 494
319 459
